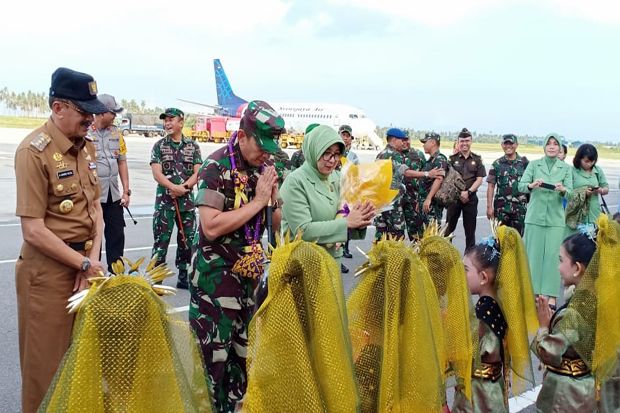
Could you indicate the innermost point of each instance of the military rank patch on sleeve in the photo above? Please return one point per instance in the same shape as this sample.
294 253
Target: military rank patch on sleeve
41 141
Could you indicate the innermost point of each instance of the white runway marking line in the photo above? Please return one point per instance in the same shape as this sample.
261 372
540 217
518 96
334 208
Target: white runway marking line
102 252
179 309
611 207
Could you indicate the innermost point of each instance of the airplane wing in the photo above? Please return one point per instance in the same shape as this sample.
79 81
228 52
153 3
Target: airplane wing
217 107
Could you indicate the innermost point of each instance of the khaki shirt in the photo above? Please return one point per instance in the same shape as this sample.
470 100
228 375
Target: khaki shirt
110 147
470 168
50 170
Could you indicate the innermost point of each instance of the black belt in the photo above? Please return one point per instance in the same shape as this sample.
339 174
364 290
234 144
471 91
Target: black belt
81 246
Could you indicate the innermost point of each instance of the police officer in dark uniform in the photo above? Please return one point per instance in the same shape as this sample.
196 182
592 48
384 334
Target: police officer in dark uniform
470 166
58 203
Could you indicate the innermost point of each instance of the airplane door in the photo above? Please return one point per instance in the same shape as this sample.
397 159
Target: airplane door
337 120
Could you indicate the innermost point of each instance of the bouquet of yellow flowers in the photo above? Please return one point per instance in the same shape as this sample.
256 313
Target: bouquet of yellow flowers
367 182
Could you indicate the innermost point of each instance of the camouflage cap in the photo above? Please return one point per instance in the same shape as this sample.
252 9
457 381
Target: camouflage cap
509 137
172 112
430 135
345 128
264 123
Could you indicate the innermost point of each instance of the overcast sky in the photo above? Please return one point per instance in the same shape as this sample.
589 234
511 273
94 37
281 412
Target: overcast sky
528 67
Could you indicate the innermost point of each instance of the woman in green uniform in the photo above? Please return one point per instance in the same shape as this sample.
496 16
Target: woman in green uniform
548 180
588 183
311 195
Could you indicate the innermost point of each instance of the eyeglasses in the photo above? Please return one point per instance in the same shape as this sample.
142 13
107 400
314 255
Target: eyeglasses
71 105
329 156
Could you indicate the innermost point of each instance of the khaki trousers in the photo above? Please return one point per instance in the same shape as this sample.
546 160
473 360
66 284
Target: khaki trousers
43 286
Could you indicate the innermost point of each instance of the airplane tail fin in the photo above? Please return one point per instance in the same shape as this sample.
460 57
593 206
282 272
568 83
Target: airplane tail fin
226 99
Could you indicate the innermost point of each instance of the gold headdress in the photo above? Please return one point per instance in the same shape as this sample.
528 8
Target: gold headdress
128 353
592 318
516 299
299 352
443 262
393 320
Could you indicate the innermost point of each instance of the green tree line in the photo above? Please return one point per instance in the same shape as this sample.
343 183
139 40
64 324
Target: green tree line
29 104
35 104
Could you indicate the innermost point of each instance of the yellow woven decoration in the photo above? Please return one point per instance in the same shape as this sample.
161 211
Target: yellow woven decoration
368 182
516 299
395 333
443 262
299 354
128 354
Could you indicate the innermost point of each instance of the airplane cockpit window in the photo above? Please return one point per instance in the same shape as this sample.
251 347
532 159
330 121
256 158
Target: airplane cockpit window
353 116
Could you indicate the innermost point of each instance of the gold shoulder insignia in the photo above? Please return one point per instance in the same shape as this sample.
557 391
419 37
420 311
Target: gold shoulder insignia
41 141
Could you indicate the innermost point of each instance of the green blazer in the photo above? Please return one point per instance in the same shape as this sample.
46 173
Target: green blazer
545 206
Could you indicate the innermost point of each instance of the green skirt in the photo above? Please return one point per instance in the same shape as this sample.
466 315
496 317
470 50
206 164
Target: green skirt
543 248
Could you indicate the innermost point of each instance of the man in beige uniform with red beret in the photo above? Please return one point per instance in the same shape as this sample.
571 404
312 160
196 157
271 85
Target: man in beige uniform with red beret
58 203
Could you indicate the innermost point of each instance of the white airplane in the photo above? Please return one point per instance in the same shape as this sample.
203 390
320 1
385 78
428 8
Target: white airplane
296 115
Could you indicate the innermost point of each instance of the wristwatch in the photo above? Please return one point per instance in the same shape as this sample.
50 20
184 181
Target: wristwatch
128 192
85 264
426 174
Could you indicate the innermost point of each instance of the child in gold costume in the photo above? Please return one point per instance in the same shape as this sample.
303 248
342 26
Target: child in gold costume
128 354
579 344
443 262
299 351
497 271
396 333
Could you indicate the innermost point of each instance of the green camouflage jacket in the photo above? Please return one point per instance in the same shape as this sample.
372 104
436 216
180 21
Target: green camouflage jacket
177 162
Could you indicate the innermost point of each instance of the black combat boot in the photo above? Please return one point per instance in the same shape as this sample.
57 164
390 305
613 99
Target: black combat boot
182 281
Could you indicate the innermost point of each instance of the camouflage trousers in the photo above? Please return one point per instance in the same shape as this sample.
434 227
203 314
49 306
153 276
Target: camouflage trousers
515 221
220 310
436 213
164 221
391 222
414 217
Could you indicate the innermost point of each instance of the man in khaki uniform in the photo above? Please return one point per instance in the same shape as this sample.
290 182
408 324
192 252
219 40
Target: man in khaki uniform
58 203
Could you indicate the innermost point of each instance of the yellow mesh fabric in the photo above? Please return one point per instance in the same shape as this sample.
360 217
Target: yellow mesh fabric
443 262
368 182
299 353
128 355
395 333
516 299
593 313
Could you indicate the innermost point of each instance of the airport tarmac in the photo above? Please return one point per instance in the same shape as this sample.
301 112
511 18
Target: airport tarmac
139 240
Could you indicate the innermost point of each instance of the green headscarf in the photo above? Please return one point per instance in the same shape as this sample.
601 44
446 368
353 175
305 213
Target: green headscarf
549 160
316 142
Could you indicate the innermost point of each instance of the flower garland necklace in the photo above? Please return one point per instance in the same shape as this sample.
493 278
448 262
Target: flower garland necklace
250 264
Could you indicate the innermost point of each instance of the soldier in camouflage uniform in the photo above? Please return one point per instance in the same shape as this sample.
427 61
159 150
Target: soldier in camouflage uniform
391 220
412 207
507 204
298 159
282 165
175 160
429 185
231 220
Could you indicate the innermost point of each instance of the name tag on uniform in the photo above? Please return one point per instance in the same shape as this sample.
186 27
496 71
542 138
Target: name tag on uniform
65 174
92 165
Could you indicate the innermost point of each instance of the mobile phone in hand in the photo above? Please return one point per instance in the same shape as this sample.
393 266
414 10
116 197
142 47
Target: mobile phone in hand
547 186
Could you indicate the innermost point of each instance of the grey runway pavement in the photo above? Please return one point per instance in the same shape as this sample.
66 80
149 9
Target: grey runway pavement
139 240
